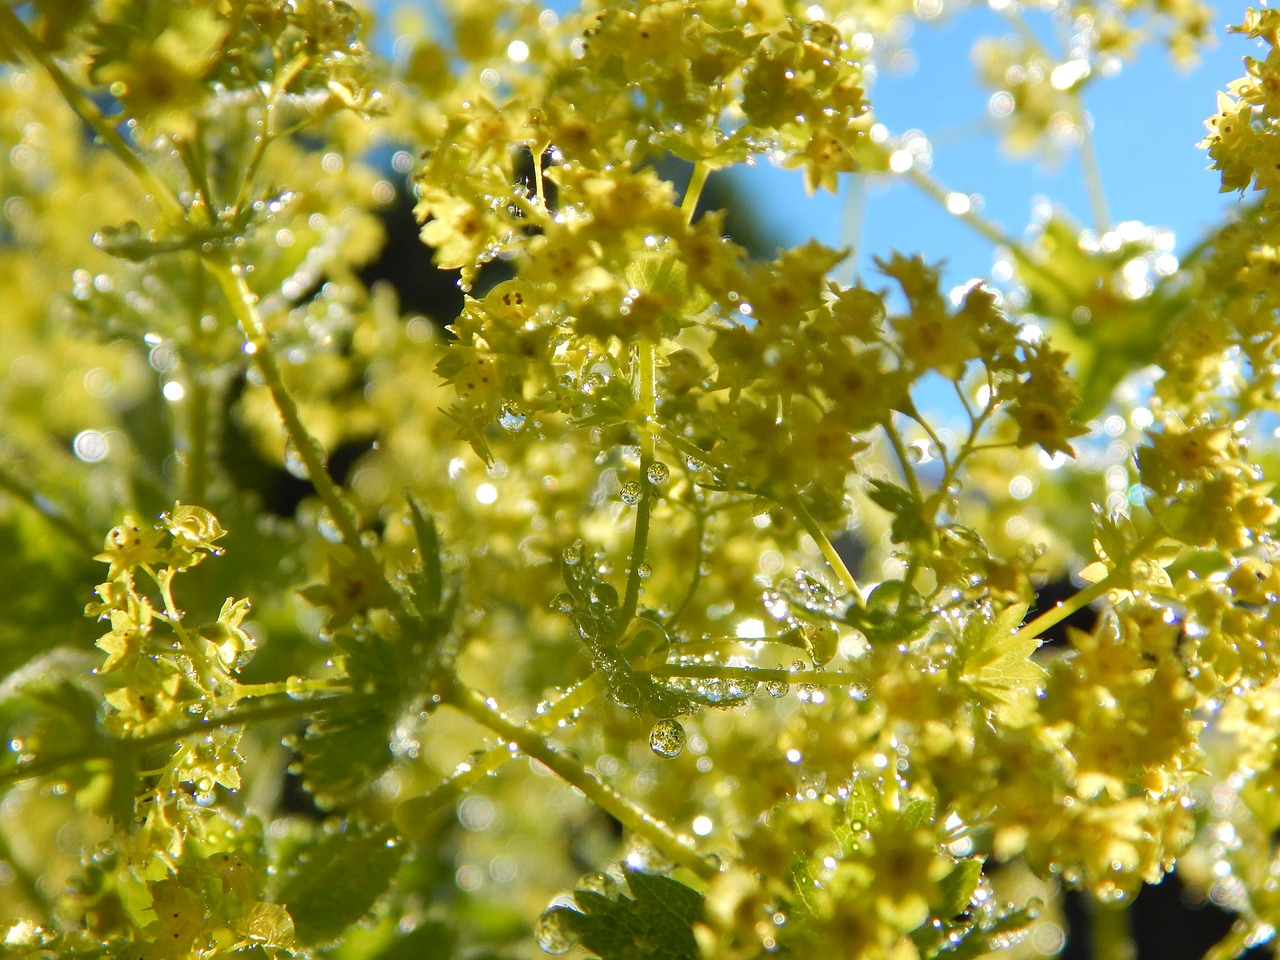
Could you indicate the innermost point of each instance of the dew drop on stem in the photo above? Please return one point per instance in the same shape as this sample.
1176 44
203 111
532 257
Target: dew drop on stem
293 462
658 472
295 688
631 492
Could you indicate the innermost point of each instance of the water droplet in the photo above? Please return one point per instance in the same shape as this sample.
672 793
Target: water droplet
327 527
597 882
667 738
658 472
626 694
631 492
295 688
573 553
562 602
777 688
510 420
644 571
693 464
553 931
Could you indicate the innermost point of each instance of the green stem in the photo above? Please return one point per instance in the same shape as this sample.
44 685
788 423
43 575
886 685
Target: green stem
828 550
693 192
984 227
536 746
282 710
900 451
1065 608
695 577
294 687
1239 939
244 306
15 33
197 649
415 810
647 398
1109 929
1092 171
259 713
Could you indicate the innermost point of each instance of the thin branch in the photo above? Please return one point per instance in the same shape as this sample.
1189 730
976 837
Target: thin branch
569 769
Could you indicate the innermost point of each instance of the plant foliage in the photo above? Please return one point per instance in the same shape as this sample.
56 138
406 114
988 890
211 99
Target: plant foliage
644 569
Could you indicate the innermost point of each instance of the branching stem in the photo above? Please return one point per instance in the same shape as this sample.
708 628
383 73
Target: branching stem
828 549
243 304
535 745
475 770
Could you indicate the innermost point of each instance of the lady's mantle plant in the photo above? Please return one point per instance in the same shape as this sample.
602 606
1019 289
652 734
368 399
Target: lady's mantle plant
652 580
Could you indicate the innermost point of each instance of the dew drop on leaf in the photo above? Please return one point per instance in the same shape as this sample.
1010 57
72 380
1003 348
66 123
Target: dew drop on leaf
777 688
552 932
573 553
510 420
667 738
658 472
598 882
631 492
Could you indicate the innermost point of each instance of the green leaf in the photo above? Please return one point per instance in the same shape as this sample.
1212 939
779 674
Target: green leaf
919 813
347 744
996 662
990 935
427 581
656 921
908 522
957 887
335 881
344 750
863 803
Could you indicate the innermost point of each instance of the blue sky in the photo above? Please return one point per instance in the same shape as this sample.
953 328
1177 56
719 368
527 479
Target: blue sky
1147 121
